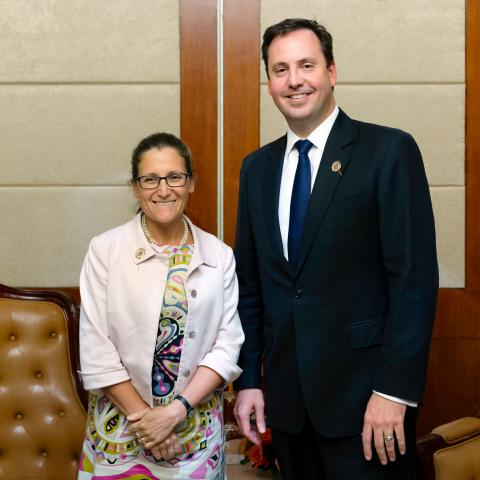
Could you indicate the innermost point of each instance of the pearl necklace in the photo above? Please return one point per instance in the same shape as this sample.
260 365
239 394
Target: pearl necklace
183 241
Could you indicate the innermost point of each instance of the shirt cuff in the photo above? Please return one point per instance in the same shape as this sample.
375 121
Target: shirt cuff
409 403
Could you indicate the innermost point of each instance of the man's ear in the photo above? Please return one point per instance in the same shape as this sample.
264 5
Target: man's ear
332 70
268 85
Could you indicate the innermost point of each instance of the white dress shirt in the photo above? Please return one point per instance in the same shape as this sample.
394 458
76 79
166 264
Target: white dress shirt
319 138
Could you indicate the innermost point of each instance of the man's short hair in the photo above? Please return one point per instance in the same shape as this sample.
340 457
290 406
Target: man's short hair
290 25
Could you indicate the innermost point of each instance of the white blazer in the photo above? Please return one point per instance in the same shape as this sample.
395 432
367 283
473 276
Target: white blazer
122 284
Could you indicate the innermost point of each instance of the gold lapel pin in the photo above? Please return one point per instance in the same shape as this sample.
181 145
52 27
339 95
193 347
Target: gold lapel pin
140 253
337 167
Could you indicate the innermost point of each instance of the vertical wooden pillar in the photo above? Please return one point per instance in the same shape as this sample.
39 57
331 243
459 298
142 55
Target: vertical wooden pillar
241 101
241 110
198 76
473 146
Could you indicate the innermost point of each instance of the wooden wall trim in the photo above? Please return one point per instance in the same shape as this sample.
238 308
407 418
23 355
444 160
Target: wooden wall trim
453 389
198 109
241 97
473 145
458 314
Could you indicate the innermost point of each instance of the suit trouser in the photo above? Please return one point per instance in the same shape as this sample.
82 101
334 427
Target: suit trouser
310 456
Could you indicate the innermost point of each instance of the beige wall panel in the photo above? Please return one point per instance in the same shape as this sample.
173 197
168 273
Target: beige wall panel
49 230
89 40
433 114
386 40
79 135
449 208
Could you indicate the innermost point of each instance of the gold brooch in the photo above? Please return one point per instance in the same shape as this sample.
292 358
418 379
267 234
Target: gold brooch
140 253
337 167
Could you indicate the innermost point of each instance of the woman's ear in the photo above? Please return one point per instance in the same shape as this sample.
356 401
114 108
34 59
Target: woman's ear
191 187
135 187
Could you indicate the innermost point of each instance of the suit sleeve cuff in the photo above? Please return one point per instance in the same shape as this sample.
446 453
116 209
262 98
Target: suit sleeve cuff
409 403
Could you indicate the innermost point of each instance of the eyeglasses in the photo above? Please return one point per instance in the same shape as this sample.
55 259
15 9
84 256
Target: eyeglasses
150 182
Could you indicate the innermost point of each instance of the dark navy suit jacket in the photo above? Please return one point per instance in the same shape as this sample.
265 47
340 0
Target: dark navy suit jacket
357 313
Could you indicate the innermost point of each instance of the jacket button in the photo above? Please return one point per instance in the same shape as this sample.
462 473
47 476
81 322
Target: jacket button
19 416
193 293
13 338
186 373
191 335
298 293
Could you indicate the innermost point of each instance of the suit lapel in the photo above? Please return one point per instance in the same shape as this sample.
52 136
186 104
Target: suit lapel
272 176
327 180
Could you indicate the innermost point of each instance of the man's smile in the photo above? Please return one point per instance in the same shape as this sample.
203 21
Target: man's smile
298 95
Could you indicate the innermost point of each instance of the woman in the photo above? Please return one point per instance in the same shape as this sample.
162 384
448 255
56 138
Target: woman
159 332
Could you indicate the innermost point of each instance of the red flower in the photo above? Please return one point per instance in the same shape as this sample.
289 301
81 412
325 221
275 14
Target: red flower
255 455
262 456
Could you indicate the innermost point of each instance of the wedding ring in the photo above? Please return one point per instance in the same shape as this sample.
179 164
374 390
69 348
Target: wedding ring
139 437
388 438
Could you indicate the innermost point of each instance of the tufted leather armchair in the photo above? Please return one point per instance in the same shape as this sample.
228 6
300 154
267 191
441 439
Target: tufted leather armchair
451 451
42 403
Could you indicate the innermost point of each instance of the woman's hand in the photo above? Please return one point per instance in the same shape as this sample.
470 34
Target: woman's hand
154 425
167 449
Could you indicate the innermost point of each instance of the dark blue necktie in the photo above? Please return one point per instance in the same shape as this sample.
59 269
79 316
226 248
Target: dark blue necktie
300 197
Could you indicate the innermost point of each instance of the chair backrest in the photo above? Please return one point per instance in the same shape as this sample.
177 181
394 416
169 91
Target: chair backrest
42 403
460 459
451 451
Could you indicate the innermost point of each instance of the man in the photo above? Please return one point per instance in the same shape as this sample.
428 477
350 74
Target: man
338 277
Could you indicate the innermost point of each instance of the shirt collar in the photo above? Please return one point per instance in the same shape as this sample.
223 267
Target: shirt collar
318 137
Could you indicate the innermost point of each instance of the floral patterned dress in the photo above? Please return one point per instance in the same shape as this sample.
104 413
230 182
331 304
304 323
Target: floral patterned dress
110 452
